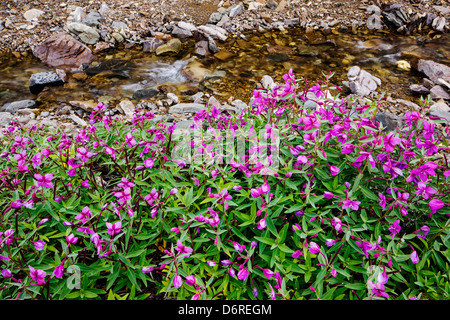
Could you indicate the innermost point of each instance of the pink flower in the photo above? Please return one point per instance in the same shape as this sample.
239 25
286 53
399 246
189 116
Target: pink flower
147 269
328 195
129 139
190 280
352 204
378 289
414 257
39 245
334 170
148 163
6 273
424 191
390 142
262 224
330 242
395 228
177 281
37 275
314 248
44 180
71 239
59 271
84 215
124 183
435 205
173 191
182 249
113 228
242 274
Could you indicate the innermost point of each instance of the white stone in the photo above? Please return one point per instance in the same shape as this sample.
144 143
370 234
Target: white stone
32 14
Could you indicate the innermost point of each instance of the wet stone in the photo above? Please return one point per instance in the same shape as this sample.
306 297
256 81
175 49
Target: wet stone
42 79
145 94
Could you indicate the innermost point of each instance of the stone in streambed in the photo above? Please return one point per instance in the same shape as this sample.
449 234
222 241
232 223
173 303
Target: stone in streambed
172 47
86 34
61 50
145 94
40 80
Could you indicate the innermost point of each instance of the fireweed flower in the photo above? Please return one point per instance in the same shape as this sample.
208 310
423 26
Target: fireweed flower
71 239
37 275
6 273
334 170
123 196
377 289
395 228
352 204
113 228
424 191
414 257
436 205
44 180
177 281
328 195
148 163
84 215
330 242
242 274
296 254
151 197
124 183
314 248
129 139
182 249
390 142
39 245
425 230
382 200
59 271
147 269
190 280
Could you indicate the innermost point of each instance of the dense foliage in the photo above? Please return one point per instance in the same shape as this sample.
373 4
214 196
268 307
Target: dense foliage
349 211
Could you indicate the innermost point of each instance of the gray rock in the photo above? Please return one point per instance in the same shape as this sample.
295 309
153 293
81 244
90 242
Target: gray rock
408 103
271 4
76 15
440 109
119 24
145 94
93 19
389 121
361 82
127 107
438 92
151 45
186 26
215 17
13 107
181 33
42 79
172 47
374 22
235 10
373 9
5 118
86 34
267 82
173 97
419 89
239 105
186 108
32 14
438 24
434 70
78 120
104 9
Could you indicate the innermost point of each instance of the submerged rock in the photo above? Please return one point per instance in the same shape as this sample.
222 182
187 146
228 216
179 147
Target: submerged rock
152 44
145 94
40 80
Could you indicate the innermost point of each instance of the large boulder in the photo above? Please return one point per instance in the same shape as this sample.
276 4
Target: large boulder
40 80
434 70
61 50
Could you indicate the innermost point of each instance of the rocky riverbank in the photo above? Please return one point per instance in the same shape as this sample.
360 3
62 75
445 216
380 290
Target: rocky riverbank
119 21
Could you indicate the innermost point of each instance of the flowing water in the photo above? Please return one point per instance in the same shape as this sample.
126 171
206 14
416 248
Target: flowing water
272 53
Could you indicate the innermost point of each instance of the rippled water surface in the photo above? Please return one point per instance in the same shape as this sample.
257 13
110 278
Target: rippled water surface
272 53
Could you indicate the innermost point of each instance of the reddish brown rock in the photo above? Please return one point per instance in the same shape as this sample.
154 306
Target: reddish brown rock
62 51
